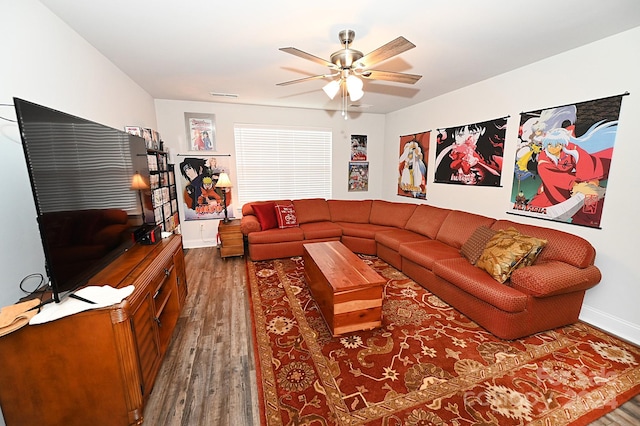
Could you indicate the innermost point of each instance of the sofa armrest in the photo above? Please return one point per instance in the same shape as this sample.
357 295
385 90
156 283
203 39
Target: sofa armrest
550 278
249 224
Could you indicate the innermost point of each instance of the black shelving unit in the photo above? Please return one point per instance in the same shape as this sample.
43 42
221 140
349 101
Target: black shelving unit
163 190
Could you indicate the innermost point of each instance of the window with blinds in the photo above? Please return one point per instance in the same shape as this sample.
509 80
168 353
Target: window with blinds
80 166
275 163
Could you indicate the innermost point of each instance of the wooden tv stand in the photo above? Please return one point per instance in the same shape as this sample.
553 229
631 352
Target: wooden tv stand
98 367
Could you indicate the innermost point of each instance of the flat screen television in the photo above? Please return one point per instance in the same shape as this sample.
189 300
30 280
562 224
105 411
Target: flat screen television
81 177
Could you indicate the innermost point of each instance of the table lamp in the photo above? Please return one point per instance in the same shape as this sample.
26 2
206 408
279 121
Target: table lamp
225 183
138 183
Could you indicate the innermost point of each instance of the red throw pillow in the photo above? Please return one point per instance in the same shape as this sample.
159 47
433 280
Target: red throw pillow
266 214
286 216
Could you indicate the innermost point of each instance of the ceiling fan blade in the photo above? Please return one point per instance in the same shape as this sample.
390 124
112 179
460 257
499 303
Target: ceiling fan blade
301 80
398 77
308 56
382 53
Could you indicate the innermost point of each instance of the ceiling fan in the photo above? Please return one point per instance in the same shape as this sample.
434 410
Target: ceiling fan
348 64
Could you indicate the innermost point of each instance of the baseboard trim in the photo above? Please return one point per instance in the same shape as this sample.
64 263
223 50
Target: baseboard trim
611 324
198 244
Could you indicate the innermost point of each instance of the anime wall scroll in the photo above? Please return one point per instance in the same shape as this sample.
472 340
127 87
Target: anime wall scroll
471 154
201 198
412 165
563 159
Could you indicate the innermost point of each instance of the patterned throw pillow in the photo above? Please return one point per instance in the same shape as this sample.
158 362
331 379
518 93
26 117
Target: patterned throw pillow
473 247
536 247
508 250
286 216
266 214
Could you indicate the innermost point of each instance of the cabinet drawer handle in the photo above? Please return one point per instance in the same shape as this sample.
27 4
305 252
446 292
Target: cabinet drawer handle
167 271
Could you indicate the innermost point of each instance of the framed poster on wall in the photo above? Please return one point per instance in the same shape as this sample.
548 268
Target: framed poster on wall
201 131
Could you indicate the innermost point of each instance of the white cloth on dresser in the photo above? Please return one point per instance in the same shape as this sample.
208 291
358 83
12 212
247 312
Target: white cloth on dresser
102 296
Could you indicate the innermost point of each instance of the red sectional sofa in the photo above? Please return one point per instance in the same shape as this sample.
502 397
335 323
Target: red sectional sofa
425 243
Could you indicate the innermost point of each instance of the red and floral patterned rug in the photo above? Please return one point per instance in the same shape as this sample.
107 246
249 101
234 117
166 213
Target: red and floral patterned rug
426 365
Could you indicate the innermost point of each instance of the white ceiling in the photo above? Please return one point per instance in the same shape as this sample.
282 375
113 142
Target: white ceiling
184 50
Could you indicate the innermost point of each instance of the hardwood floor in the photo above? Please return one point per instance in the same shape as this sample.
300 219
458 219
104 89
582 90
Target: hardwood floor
208 375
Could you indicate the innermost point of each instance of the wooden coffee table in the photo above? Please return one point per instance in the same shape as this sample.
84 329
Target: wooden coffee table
347 290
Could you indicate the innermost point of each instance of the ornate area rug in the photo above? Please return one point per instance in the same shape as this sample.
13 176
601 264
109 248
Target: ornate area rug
426 365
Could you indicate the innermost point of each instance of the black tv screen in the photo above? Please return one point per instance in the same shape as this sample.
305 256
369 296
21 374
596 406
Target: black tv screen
81 174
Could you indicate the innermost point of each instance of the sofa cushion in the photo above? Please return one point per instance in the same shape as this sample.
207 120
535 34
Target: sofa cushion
537 245
473 247
276 235
390 214
458 227
426 220
249 223
312 210
561 246
394 237
426 253
318 230
506 251
286 215
266 214
466 277
361 230
247 209
550 278
356 211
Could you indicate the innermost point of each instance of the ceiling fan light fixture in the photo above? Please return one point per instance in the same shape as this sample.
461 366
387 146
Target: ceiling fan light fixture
348 66
354 83
355 95
332 88
354 87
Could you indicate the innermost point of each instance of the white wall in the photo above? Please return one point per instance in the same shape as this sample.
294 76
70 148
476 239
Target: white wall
45 62
170 116
605 68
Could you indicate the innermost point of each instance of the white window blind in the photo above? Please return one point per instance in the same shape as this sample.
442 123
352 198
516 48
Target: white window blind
276 163
82 167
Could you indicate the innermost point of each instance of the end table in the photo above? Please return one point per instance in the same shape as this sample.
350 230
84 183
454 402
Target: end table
231 240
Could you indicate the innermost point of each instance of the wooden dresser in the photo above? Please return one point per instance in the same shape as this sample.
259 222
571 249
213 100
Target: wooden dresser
98 367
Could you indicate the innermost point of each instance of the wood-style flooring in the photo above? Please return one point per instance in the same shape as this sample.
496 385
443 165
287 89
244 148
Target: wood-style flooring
208 376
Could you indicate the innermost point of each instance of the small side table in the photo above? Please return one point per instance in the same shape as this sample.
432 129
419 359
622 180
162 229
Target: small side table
231 241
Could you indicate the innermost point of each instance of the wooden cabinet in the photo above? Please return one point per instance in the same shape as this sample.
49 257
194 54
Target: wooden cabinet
98 367
231 240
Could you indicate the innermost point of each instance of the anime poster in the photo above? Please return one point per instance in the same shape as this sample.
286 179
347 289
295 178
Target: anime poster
358 148
562 161
359 176
471 154
412 165
201 199
201 131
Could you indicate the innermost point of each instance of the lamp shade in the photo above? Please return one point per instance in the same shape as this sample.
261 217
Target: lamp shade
223 181
354 87
331 89
355 95
138 182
